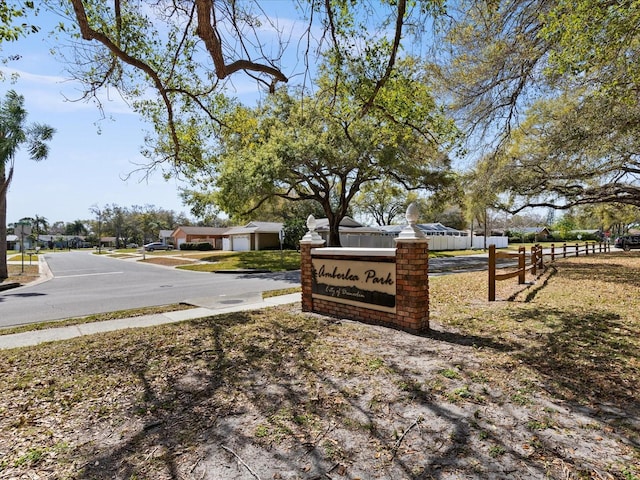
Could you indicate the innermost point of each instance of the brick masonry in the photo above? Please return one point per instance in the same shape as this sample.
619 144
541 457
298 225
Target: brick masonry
412 289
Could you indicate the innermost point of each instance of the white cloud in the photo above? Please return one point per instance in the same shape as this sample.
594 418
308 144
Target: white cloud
58 94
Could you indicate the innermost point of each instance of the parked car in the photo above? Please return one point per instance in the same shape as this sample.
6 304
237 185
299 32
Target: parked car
150 247
627 242
132 245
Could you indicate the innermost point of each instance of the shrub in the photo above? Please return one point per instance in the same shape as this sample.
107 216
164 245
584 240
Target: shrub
202 246
584 237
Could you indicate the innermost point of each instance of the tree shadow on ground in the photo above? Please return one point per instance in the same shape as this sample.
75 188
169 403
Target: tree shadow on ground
590 358
295 396
615 270
469 340
278 399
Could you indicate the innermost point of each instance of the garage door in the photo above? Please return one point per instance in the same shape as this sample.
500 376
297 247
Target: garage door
241 243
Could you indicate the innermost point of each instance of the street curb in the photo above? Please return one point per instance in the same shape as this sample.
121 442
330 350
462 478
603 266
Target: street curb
36 337
244 270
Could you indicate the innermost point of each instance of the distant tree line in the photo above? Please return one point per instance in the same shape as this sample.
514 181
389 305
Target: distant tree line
136 224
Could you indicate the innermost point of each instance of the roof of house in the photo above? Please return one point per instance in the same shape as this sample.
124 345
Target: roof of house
240 231
436 227
347 222
256 227
53 238
201 230
363 230
529 229
265 227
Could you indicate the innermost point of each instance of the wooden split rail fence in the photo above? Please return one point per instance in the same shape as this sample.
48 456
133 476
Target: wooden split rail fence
536 260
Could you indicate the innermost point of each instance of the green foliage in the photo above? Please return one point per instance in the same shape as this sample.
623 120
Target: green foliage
552 86
450 373
12 24
32 457
76 228
136 224
596 43
497 451
564 226
294 230
316 148
581 236
382 201
201 246
576 149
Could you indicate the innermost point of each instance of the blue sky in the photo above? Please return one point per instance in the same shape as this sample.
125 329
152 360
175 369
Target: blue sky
90 156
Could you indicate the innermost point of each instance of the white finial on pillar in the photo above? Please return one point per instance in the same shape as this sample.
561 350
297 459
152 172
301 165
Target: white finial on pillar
311 223
413 213
312 236
411 231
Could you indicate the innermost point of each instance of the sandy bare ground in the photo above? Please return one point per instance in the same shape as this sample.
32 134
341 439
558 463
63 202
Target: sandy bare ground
543 386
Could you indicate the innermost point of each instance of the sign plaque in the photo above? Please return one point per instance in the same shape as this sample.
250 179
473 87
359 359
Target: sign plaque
367 284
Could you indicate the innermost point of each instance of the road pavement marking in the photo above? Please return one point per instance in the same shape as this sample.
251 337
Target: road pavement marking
87 274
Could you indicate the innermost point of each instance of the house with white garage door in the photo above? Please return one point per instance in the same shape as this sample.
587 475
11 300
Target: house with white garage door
253 236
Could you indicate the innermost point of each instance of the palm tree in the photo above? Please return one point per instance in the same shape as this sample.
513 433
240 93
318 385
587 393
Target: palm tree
13 134
76 229
40 226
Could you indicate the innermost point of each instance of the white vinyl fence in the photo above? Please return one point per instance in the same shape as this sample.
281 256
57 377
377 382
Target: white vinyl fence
436 242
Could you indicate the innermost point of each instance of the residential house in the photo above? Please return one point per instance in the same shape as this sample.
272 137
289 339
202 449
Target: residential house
441 237
429 229
253 236
212 235
166 236
13 242
539 234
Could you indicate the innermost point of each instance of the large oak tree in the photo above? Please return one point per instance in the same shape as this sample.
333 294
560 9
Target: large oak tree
321 147
176 61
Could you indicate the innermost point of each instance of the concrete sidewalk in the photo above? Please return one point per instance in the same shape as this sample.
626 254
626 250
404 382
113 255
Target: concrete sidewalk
213 308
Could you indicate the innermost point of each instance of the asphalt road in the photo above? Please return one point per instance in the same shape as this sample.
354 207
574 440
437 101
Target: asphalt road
84 284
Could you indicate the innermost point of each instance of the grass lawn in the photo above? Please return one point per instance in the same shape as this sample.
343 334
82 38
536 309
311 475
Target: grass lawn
273 260
544 386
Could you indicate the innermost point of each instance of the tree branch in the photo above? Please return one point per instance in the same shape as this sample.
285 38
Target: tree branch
402 8
209 35
89 33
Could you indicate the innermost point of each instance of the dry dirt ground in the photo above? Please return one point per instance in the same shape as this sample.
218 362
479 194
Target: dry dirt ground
542 386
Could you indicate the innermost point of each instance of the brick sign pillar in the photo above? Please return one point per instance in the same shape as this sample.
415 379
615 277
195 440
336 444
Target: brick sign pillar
309 241
360 283
412 276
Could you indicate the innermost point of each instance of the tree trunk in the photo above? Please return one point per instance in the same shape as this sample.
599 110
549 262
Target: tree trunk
334 237
334 230
4 272
486 230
